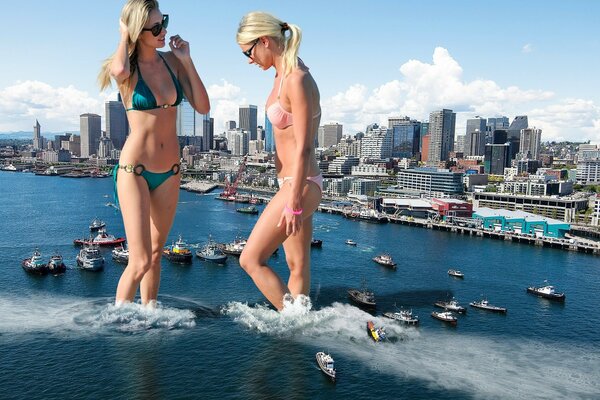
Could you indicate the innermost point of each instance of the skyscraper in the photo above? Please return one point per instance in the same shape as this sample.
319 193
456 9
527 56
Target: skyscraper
89 129
248 120
117 126
37 136
497 157
530 143
493 124
514 133
475 137
269 140
332 134
230 125
441 128
406 136
377 145
191 123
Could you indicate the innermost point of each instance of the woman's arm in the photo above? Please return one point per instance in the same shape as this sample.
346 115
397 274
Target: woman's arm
119 67
194 89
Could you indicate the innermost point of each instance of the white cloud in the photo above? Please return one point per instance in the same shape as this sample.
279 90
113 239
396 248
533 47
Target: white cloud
527 48
424 87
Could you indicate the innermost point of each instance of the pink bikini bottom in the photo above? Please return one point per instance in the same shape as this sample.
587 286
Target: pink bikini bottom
317 179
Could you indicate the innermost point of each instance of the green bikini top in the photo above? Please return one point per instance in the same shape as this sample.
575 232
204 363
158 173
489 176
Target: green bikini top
143 98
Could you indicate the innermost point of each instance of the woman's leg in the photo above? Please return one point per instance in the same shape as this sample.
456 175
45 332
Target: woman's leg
134 200
163 204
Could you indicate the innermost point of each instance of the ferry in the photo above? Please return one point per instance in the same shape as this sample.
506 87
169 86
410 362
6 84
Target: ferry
385 260
56 264
445 316
404 316
120 255
35 264
326 363
211 252
89 258
377 334
547 292
485 305
456 273
101 239
451 305
178 252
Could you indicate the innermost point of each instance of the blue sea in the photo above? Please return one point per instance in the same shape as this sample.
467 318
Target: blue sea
213 336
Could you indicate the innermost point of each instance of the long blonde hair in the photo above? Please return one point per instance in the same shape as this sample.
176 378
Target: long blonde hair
135 14
258 24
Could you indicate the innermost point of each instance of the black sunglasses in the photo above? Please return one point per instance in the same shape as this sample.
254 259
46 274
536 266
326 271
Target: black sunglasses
157 28
248 53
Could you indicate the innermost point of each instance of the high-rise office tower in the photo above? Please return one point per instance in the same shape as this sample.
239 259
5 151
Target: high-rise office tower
377 145
269 139
475 137
493 124
248 120
497 157
332 134
514 133
37 136
89 129
238 142
530 143
406 137
230 125
191 123
395 121
459 144
117 126
441 128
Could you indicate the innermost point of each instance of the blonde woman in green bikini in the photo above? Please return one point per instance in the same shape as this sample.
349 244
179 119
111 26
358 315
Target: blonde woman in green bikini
147 178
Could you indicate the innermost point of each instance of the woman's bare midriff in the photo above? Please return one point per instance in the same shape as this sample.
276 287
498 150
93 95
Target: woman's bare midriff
285 145
152 140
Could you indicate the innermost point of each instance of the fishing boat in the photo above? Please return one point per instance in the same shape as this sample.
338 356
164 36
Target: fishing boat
35 264
451 305
56 264
101 239
363 296
483 304
445 316
385 260
326 363
377 334
179 252
89 258
120 254
456 273
252 209
547 292
404 316
211 252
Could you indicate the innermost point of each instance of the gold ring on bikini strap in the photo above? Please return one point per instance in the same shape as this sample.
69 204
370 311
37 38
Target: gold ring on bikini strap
175 169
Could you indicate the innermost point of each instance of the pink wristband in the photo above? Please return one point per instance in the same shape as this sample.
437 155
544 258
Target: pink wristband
295 212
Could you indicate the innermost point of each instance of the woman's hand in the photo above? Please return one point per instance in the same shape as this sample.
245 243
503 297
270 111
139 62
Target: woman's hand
292 218
179 47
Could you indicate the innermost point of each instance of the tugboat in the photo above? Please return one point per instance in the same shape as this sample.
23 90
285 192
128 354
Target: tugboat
445 316
385 260
350 242
326 363
248 210
96 225
211 252
178 252
404 316
456 273
451 305
485 305
120 254
90 259
547 292
35 264
362 297
234 248
377 334
56 264
101 239
366 214
318 243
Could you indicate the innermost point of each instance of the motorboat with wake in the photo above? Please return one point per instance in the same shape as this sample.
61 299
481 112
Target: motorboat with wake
385 260
404 316
326 363
350 242
377 334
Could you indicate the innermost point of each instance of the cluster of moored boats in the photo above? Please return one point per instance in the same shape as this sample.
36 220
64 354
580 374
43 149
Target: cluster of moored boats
37 265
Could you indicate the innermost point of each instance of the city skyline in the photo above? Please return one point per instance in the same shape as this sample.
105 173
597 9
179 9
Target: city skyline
505 62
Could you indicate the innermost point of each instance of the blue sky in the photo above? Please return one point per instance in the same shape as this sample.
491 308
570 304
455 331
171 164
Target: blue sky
370 62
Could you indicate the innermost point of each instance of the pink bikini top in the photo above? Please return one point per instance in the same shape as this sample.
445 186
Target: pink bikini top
279 117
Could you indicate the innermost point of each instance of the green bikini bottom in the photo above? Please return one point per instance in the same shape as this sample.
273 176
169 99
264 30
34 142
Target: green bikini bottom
153 179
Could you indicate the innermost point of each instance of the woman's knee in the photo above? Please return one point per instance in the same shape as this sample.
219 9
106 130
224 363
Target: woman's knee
248 262
296 264
139 266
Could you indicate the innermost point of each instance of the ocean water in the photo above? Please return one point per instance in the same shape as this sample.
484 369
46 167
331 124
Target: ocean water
213 336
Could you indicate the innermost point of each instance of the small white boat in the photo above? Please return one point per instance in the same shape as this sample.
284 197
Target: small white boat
350 242
326 363
385 260
120 254
451 305
456 273
404 316
35 264
485 305
445 316
90 259
211 252
547 292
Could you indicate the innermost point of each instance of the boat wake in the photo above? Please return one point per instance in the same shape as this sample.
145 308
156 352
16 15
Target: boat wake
479 367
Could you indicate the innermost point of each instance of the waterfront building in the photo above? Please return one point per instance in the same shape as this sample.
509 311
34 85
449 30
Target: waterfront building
497 157
117 126
520 222
537 187
377 144
369 170
406 138
452 208
530 143
441 128
431 181
248 115
330 135
409 207
38 140
338 187
564 209
366 187
342 165
596 212
89 129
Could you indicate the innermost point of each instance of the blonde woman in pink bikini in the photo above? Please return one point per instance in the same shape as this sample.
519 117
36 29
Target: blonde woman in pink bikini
294 111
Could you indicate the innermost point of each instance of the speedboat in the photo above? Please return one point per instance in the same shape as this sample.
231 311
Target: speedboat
456 273
547 292
385 260
101 239
326 363
179 252
377 334
363 297
35 264
316 243
445 316
350 242
56 264
451 305
211 252
404 316
485 305
120 255
90 259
